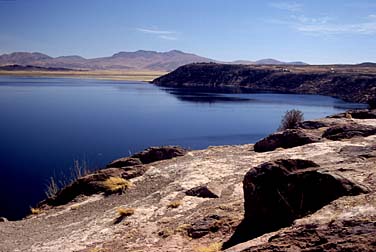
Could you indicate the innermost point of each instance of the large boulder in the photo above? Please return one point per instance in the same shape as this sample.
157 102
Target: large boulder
149 155
285 139
154 154
276 193
347 131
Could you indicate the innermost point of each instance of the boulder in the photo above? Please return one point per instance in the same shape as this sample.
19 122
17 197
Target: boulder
149 155
312 125
347 131
285 139
276 193
203 191
154 154
3 219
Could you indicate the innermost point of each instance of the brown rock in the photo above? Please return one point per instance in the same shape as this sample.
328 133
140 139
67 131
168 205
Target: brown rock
285 139
202 191
149 155
153 154
347 131
276 193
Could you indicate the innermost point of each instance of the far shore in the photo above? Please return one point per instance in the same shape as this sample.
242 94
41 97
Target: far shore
100 74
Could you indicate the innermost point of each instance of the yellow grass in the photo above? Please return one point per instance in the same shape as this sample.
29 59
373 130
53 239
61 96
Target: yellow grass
214 247
35 211
124 212
174 204
103 74
116 184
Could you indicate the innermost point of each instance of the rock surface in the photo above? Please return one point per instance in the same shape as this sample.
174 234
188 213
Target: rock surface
348 131
87 223
286 139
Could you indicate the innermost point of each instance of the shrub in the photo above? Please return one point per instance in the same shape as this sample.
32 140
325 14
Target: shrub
174 204
291 119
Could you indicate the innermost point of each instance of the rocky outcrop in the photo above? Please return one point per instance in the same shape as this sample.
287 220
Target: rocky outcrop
347 131
149 155
285 139
102 181
278 192
357 114
350 85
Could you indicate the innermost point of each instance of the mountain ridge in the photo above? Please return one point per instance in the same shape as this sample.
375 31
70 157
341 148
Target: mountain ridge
123 60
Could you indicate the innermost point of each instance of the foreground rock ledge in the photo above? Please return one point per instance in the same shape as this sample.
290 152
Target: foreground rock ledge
160 216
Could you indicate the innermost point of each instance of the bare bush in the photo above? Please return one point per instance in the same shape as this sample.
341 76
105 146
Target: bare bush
55 183
291 119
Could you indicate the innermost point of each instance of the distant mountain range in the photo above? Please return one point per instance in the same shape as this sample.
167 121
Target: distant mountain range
138 60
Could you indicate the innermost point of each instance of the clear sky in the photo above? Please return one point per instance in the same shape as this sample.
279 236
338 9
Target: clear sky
319 31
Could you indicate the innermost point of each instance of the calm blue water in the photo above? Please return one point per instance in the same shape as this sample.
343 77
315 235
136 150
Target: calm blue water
47 123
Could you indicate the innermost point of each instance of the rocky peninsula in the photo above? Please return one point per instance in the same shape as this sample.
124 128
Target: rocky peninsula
309 188
354 83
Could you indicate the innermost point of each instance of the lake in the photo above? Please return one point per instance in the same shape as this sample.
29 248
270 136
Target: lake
48 123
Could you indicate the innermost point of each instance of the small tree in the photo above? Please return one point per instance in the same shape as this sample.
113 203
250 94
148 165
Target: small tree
291 119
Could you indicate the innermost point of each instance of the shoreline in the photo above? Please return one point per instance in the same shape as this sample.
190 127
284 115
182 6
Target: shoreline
145 76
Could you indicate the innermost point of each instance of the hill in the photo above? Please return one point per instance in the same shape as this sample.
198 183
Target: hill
350 83
140 60
136 61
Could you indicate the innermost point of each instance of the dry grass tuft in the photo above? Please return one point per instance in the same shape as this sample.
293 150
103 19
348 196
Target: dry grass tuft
35 211
183 228
75 207
124 211
214 247
116 184
175 204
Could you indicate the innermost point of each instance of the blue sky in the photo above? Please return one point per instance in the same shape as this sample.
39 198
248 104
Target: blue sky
336 31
